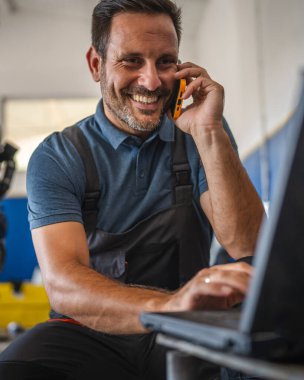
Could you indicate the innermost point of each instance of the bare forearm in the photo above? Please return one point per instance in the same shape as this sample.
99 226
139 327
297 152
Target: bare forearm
235 207
101 303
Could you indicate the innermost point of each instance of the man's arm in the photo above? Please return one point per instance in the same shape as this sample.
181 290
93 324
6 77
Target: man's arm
231 203
76 290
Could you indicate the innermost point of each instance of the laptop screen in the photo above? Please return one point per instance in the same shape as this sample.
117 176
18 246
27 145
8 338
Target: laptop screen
275 297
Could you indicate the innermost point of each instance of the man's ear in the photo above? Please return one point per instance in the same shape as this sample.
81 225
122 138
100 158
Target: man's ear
94 62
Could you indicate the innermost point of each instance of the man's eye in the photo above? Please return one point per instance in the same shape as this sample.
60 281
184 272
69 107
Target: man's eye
132 61
166 62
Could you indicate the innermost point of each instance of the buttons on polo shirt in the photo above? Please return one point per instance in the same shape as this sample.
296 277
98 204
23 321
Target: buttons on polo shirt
134 141
141 174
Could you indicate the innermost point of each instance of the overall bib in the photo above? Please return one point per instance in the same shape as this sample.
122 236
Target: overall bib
164 250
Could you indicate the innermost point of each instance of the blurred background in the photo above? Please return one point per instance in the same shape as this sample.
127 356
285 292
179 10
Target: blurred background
254 48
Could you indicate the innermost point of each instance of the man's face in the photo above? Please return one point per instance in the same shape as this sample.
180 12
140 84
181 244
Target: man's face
137 77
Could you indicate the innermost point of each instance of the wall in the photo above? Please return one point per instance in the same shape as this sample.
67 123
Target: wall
43 49
255 49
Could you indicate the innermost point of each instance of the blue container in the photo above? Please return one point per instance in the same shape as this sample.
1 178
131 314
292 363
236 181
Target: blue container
20 258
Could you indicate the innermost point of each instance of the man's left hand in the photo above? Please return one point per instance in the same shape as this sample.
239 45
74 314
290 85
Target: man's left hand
208 100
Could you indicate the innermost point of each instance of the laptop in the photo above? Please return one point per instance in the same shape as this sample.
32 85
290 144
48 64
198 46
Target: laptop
270 322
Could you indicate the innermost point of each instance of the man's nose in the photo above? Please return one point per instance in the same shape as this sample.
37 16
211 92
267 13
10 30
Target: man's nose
149 77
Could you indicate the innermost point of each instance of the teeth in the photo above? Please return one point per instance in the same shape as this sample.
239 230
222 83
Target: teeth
144 99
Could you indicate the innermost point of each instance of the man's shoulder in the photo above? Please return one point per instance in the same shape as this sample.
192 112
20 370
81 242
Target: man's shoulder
59 143
58 153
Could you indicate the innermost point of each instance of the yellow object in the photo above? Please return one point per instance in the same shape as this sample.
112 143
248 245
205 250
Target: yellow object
27 307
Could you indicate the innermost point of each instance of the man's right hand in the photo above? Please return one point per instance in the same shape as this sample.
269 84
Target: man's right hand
218 287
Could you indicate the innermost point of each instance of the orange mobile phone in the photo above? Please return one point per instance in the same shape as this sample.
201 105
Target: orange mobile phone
177 100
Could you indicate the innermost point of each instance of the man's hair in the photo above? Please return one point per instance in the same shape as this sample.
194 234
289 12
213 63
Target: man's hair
105 10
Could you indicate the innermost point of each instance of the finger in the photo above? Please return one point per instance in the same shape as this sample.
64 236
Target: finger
239 281
239 267
210 296
192 72
227 281
186 65
199 86
236 268
188 81
234 299
198 295
220 303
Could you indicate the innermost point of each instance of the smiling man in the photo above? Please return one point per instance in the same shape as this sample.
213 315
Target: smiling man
122 207
137 76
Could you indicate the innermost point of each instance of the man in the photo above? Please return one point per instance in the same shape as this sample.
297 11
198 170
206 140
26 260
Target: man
148 247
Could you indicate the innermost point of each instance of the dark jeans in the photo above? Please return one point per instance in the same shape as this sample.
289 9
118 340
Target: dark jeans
65 351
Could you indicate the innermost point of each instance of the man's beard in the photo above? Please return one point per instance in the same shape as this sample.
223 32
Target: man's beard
119 108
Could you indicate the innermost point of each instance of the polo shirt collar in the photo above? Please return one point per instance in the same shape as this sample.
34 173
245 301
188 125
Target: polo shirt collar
116 136
167 130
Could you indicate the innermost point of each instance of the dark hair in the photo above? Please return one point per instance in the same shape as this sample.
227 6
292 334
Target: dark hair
105 10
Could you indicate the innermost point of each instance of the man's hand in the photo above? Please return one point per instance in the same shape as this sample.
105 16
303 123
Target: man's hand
206 111
218 287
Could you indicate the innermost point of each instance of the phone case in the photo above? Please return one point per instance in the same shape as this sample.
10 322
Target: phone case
177 101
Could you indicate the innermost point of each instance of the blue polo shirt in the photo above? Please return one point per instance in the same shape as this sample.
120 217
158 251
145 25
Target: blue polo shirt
135 175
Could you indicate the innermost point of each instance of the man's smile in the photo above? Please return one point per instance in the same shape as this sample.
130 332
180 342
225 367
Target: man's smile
146 103
144 99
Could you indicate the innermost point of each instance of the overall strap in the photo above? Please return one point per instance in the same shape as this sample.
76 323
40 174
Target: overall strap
182 185
92 190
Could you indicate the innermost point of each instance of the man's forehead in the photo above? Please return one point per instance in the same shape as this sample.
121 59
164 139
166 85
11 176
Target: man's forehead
131 27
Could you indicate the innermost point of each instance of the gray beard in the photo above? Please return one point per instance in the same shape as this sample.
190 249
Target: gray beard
125 116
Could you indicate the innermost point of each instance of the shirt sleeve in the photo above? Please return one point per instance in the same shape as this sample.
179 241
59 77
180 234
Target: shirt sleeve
55 183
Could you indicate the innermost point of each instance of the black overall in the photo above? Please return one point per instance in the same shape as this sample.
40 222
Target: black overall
164 250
